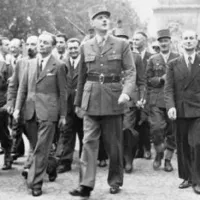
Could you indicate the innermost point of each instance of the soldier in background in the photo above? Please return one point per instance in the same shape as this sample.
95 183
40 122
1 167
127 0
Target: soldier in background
160 126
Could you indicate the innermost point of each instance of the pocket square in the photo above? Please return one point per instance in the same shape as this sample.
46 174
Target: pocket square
50 74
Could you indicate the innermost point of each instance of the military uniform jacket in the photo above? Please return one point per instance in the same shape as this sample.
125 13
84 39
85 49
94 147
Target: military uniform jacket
102 99
155 72
182 89
44 94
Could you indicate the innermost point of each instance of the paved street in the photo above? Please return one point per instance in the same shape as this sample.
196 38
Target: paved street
143 184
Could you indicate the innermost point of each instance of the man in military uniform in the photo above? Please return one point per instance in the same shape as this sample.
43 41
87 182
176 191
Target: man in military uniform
160 126
133 110
101 96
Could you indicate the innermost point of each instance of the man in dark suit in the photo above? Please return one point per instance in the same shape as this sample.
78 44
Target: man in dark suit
144 146
132 111
161 128
60 52
182 99
42 92
66 142
101 96
19 127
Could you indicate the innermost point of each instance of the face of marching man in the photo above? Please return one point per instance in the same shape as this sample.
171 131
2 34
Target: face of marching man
31 46
46 44
189 40
101 23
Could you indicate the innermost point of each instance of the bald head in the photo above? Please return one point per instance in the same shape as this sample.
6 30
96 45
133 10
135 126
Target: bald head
31 46
189 40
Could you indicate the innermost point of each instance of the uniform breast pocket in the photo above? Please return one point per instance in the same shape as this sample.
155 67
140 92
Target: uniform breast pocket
114 57
90 58
86 96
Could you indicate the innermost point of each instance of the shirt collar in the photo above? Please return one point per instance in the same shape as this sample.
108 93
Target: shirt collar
99 38
165 56
143 53
45 60
186 56
76 60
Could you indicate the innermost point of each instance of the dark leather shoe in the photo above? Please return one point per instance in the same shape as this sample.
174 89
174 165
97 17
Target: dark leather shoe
128 168
36 192
114 190
7 166
102 163
81 191
25 173
168 166
147 155
185 184
52 177
63 168
196 189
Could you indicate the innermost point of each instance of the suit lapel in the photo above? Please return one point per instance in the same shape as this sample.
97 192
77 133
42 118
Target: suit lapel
195 69
33 69
48 68
182 67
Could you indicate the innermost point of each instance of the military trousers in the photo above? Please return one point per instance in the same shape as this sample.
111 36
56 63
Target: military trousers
161 128
110 127
188 149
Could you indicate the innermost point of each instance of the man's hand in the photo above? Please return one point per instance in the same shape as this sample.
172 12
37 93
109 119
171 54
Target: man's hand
172 113
16 115
124 98
10 109
79 112
155 81
62 122
141 103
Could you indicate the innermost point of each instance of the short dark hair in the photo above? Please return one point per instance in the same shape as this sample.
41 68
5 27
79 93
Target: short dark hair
74 40
142 33
63 36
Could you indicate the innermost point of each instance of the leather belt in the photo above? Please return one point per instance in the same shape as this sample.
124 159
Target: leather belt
102 78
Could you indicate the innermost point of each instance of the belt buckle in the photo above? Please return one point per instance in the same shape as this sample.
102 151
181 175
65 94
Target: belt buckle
101 78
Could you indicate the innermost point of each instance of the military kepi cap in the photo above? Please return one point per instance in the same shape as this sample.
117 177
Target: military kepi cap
120 33
164 33
97 10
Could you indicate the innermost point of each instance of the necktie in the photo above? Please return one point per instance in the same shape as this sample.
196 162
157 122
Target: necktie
61 57
101 43
72 68
189 63
41 66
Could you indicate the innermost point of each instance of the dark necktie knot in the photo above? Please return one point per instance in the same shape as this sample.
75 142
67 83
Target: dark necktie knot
189 63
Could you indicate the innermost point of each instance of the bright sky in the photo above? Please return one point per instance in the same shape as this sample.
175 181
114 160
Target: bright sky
145 12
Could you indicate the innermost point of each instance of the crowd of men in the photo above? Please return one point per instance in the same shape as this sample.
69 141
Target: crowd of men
109 90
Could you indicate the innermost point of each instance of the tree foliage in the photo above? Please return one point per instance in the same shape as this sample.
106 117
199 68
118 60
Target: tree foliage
18 18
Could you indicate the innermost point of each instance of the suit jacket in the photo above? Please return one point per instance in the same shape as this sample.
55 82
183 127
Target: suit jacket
155 72
182 89
146 58
45 95
140 88
4 77
72 80
15 80
102 99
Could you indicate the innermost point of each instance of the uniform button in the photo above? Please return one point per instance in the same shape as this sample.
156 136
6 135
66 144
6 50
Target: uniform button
101 65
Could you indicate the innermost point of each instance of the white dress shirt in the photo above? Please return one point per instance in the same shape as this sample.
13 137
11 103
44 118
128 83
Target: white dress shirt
165 56
45 60
76 61
186 56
